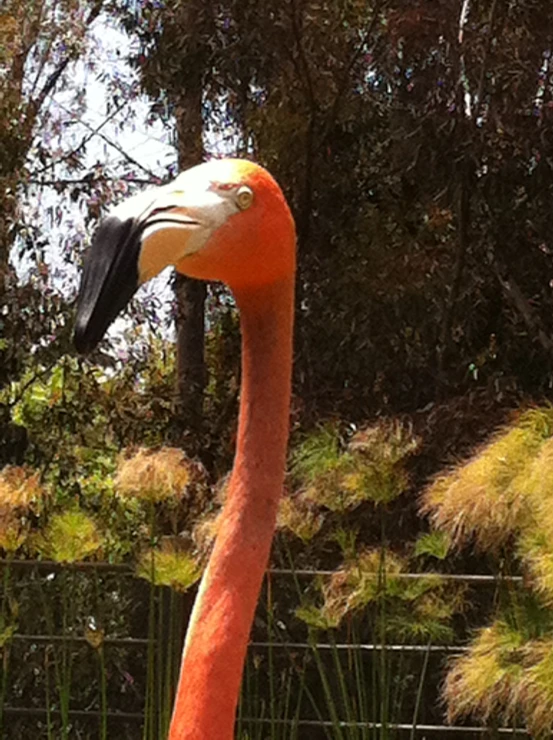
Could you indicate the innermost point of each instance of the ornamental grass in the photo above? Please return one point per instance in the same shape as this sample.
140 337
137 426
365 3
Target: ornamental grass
297 515
154 475
20 488
490 499
21 494
14 531
69 537
486 680
169 566
370 467
403 608
501 501
535 697
372 575
504 676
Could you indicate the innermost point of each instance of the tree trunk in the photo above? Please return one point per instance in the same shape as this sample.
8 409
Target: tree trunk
191 373
190 294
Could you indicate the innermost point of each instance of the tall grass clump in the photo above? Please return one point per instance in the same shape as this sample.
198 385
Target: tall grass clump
417 609
487 500
485 681
69 537
501 501
169 566
22 496
171 572
153 475
506 676
300 517
160 480
341 477
354 679
372 684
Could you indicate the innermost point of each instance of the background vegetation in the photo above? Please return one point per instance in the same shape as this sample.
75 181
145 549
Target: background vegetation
413 141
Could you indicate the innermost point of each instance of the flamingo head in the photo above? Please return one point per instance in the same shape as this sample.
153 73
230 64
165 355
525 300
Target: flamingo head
223 220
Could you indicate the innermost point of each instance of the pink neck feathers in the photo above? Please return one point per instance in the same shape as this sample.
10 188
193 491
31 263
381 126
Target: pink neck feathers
220 625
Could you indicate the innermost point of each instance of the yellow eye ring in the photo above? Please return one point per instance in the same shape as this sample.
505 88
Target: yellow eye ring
244 197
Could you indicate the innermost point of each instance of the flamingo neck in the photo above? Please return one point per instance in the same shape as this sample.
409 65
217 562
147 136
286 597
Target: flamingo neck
219 629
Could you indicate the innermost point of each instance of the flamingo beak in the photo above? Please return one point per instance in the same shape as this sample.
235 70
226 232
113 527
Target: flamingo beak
109 280
141 237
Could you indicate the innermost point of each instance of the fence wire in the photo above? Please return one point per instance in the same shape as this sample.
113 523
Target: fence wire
139 642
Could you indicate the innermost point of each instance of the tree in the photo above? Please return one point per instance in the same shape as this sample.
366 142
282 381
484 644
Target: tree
173 63
38 40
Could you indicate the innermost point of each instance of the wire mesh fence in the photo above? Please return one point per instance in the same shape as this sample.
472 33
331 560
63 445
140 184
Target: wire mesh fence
96 650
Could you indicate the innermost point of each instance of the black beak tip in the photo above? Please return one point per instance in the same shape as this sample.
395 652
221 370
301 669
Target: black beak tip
110 279
81 342
85 339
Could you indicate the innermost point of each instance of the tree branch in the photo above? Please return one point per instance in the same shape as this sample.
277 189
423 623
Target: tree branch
303 58
342 87
63 181
52 80
96 132
519 301
480 90
463 218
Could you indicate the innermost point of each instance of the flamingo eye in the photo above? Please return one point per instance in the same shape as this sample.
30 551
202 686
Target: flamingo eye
244 197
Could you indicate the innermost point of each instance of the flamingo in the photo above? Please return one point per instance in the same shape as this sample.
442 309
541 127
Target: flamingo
223 220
